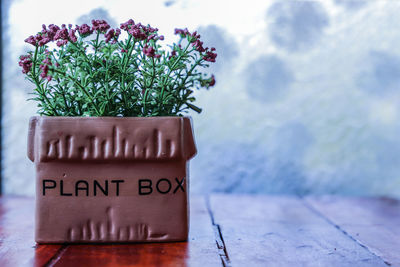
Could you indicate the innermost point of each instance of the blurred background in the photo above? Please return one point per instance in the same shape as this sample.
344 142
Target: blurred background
306 100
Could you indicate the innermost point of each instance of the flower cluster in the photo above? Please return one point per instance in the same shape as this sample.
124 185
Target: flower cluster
26 63
100 25
194 39
150 51
62 35
139 31
112 35
46 64
210 56
101 75
84 30
43 37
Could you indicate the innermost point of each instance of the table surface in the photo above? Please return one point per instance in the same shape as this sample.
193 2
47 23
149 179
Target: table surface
232 230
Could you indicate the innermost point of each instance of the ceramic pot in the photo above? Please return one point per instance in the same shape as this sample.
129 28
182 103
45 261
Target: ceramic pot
110 179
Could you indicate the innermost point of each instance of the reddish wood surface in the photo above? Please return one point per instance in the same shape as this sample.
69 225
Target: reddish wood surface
282 231
374 223
16 234
199 251
18 247
232 231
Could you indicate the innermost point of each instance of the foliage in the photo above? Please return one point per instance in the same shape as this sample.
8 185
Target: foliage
91 71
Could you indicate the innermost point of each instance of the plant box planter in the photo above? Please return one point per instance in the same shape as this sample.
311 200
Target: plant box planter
108 179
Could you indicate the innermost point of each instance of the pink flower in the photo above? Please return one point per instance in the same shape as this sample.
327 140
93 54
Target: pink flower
112 35
126 26
149 29
212 81
210 56
40 39
61 33
51 32
71 35
47 61
31 40
149 51
182 32
100 25
195 35
139 31
198 45
45 68
46 35
155 37
84 30
61 42
26 63
44 41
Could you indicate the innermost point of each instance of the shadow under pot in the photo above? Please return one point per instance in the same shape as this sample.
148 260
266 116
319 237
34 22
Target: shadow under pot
106 179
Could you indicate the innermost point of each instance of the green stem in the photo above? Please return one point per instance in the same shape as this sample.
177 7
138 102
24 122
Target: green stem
183 82
190 71
40 90
82 88
96 45
144 103
175 63
63 94
164 84
125 61
153 74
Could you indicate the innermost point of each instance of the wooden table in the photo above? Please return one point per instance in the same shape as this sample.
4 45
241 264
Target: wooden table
232 230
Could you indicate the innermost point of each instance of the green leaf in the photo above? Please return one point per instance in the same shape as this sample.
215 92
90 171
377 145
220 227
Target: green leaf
195 108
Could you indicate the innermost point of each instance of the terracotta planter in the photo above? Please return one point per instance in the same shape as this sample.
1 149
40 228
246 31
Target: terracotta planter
111 179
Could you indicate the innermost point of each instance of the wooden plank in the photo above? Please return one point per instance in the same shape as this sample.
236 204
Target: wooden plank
201 249
282 231
18 247
373 222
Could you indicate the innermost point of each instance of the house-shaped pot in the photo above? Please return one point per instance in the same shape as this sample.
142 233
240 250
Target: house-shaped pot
108 179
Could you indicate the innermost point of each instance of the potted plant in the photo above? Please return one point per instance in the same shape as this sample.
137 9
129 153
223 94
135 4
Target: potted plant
111 145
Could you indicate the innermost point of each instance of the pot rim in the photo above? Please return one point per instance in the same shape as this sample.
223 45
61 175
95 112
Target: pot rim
109 117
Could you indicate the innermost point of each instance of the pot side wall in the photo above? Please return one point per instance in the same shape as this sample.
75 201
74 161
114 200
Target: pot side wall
111 196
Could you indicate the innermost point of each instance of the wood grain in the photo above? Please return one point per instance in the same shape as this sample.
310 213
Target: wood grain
255 231
282 231
199 251
373 222
18 247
